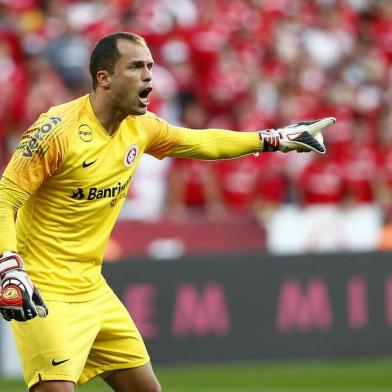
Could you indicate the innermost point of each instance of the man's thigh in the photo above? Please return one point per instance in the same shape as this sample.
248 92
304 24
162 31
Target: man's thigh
137 379
56 347
53 386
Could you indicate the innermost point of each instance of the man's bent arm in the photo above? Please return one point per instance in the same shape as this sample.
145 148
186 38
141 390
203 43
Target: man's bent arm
12 197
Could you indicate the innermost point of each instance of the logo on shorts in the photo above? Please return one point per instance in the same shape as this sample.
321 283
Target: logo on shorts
57 363
130 155
85 133
10 293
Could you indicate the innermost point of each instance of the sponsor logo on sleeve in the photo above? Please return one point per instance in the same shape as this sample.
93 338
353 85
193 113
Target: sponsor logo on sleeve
37 136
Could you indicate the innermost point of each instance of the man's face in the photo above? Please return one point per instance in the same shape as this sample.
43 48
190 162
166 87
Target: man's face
131 80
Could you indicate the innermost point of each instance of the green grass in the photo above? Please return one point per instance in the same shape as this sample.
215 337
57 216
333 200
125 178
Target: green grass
334 376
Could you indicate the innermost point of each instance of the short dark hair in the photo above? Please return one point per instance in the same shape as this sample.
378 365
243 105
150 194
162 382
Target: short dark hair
106 54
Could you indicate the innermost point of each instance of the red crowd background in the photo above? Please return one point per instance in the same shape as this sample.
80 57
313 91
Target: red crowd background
241 65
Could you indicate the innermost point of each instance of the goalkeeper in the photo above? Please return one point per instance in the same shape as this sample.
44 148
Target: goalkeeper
67 181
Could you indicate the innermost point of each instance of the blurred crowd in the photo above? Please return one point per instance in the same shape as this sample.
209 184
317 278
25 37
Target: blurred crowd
238 64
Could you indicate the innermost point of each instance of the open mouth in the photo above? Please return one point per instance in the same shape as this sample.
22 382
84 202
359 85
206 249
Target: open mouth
143 95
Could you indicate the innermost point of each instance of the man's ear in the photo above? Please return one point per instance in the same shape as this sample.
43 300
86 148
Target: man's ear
104 79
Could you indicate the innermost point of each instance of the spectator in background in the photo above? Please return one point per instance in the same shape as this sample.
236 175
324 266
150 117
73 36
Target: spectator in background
68 53
193 189
40 95
271 188
384 177
384 182
360 166
252 188
14 81
321 183
237 183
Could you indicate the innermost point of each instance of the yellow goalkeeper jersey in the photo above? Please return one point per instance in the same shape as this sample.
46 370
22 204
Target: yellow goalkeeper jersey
78 177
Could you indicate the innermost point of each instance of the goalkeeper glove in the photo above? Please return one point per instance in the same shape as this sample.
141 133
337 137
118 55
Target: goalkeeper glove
302 136
19 298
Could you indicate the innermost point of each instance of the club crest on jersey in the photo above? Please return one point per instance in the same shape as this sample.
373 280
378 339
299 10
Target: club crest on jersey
130 155
85 133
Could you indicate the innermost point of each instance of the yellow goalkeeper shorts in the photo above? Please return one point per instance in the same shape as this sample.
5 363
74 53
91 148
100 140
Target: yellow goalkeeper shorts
79 340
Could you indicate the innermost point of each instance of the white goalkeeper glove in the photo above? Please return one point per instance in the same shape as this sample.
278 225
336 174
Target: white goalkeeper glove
19 298
303 136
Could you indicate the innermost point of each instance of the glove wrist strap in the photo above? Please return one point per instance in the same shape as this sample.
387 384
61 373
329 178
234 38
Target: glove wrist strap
265 145
9 261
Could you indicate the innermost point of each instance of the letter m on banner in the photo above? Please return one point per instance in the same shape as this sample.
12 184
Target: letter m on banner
201 313
303 310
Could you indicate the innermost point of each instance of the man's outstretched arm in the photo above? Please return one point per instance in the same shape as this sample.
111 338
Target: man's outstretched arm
213 144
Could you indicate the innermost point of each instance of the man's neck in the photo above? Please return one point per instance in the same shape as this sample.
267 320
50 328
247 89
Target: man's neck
109 117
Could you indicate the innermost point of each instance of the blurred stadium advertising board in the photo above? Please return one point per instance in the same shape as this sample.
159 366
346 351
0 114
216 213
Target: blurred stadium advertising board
245 307
250 306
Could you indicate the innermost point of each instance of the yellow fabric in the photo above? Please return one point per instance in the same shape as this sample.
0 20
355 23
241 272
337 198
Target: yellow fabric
78 177
208 144
90 334
11 199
